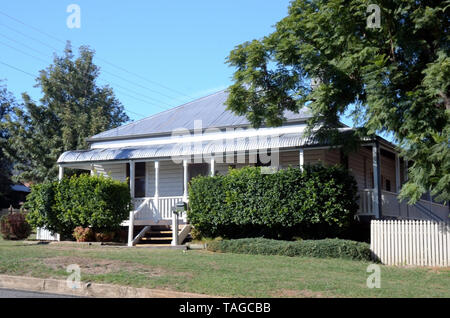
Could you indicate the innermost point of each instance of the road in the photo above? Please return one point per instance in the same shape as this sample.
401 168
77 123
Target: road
12 293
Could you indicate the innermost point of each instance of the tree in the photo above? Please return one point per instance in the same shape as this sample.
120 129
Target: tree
395 79
7 101
73 107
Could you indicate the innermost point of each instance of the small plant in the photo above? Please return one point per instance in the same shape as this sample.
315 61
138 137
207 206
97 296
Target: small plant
83 234
105 236
14 227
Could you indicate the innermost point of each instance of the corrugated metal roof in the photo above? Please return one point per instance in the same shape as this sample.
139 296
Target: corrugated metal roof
223 146
20 188
211 110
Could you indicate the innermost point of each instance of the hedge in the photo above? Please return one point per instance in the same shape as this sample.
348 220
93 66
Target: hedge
318 202
327 248
87 201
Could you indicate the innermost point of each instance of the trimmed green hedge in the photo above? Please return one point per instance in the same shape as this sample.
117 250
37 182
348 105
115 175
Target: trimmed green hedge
88 201
327 248
318 202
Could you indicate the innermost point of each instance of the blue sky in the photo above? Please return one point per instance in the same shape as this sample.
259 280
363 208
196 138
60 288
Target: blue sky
164 53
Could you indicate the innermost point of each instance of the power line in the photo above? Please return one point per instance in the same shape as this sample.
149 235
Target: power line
17 69
29 37
25 45
111 83
101 59
34 77
32 27
141 77
25 53
135 83
104 71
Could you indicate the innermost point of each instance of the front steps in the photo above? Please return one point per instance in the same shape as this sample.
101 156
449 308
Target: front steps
159 235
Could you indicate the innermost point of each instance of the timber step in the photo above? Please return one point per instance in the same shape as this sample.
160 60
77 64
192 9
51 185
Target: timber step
158 235
153 238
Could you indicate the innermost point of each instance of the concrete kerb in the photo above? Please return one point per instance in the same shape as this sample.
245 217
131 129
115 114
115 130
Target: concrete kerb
56 286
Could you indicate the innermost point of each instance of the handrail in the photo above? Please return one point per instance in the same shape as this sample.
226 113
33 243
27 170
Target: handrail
142 205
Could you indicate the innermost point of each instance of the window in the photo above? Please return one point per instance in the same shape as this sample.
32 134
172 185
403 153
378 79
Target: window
139 179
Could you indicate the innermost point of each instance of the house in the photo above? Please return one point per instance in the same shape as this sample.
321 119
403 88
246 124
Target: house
161 153
16 197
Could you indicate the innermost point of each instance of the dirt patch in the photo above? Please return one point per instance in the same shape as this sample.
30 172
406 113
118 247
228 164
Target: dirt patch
100 266
304 293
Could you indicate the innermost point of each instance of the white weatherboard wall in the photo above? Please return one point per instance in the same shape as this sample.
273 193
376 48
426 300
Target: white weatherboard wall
418 243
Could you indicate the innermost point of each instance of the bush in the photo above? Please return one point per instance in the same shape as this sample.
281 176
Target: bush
82 234
87 201
105 236
327 248
14 227
318 202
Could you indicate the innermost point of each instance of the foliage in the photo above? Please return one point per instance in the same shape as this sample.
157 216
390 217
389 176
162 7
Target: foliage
73 107
317 202
14 227
7 102
83 234
328 248
394 79
87 201
105 236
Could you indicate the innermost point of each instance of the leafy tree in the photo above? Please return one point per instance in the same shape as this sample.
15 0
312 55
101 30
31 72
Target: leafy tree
73 107
395 79
7 101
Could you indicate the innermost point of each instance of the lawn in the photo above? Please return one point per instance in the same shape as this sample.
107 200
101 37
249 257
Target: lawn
220 274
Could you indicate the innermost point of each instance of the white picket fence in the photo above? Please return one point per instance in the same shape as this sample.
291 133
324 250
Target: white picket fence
418 243
45 235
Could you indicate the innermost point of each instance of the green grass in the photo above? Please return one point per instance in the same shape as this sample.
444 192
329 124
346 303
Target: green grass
220 274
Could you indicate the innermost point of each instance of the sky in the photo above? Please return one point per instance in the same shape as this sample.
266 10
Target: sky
155 54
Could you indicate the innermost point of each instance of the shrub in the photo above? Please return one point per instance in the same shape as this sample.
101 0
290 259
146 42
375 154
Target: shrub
327 248
317 202
87 201
83 234
104 236
14 227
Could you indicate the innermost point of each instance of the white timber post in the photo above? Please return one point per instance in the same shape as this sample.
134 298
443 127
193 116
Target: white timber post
130 229
397 173
376 180
174 229
132 179
301 155
131 224
60 173
405 171
185 180
212 167
157 185
405 178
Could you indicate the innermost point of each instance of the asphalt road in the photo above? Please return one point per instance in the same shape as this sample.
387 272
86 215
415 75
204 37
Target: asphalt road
12 293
